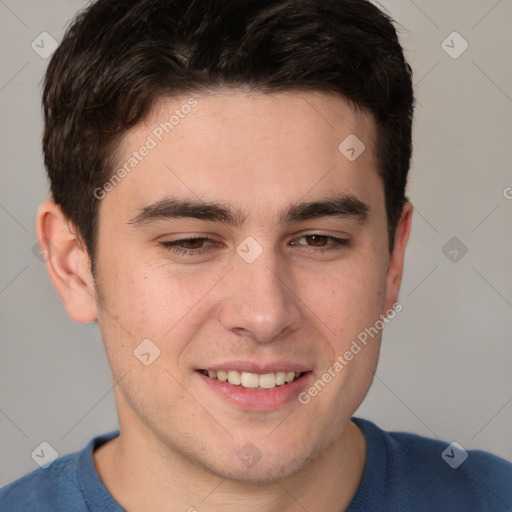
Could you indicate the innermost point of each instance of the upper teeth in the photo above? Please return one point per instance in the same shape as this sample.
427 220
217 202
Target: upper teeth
253 380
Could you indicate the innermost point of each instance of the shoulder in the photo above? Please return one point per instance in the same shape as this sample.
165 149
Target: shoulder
64 485
482 471
51 488
431 474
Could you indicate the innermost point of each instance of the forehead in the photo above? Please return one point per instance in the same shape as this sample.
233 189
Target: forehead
287 122
257 149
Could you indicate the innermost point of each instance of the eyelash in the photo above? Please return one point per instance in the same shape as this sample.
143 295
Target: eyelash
173 246
338 243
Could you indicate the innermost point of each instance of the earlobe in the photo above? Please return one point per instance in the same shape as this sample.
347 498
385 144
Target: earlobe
396 261
67 262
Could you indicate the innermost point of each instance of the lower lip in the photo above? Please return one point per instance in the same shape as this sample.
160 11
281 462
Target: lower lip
258 399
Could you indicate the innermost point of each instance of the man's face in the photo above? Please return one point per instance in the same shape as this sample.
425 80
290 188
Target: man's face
257 284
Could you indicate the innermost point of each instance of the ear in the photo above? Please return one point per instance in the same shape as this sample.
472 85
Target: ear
396 261
67 262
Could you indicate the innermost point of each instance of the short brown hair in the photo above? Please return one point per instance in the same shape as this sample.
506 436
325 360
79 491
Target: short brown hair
120 56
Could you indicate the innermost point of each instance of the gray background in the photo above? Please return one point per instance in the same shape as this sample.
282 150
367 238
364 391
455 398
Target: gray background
445 369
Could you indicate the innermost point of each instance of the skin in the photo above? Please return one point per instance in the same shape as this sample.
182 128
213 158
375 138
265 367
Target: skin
179 439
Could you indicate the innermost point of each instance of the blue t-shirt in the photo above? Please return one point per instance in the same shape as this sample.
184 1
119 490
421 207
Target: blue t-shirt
403 472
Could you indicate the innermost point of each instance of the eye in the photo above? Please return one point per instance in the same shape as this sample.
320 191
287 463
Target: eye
198 245
322 242
188 246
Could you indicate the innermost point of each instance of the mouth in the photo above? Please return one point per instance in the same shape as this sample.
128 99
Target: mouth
258 392
249 380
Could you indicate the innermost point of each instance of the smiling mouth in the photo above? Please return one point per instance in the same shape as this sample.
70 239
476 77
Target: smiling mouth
248 380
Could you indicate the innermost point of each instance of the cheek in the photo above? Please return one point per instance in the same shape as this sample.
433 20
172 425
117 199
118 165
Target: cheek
152 299
348 297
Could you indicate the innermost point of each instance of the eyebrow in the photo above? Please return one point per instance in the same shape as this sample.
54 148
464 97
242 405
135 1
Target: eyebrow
341 205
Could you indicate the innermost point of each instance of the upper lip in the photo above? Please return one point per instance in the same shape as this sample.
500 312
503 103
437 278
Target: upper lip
252 367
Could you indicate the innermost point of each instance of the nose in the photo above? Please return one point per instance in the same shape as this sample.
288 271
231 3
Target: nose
260 302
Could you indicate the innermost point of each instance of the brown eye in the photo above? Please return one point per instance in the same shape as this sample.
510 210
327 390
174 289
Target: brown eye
189 246
317 240
191 243
321 243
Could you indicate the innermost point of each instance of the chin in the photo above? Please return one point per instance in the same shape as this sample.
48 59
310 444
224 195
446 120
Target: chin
264 473
251 467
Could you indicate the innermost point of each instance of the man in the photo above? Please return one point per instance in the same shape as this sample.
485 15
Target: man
228 204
